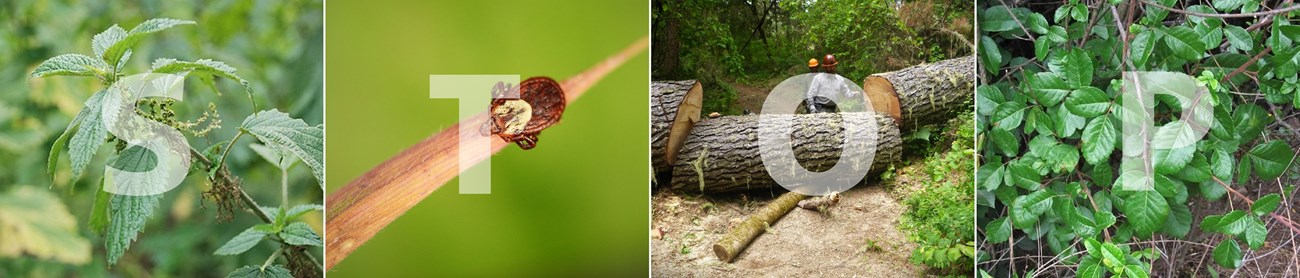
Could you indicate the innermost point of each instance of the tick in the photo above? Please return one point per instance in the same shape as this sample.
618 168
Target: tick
540 104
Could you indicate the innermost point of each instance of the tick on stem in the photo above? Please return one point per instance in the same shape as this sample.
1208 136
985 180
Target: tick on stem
520 120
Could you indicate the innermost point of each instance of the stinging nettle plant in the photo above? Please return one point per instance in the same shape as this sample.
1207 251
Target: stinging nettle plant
284 142
1049 133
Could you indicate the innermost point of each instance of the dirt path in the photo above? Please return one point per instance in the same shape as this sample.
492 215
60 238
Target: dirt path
858 237
749 97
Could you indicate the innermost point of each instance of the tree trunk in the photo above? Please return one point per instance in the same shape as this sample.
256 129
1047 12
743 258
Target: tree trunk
723 155
924 94
674 109
740 236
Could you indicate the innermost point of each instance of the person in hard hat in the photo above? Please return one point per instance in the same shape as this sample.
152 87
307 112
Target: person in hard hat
812 65
825 86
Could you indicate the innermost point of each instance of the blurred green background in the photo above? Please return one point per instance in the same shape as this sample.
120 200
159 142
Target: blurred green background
276 45
577 205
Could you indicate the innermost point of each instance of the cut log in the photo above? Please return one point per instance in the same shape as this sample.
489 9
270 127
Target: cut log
674 109
740 236
726 150
923 94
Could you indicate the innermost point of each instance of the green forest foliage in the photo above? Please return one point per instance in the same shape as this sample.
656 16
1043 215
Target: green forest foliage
721 41
275 44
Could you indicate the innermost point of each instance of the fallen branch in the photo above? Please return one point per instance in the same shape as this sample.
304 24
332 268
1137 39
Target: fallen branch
740 236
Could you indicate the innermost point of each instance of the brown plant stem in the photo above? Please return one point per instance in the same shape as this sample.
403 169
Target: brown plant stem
224 174
1286 222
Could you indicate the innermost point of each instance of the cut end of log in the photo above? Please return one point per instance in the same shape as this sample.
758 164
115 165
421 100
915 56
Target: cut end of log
688 113
883 97
722 253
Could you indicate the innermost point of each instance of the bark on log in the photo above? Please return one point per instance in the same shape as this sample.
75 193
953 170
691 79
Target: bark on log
726 149
740 236
924 94
674 109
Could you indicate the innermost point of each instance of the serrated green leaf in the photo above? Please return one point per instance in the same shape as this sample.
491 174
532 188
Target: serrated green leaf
1228 5
1287 61
299 210
114 53
1026 208
1005 141
1271 158
92 105
990 55
1265 205
1057 34
1229 223
277 130
1228 254
1179 222
99 213
1024 176
256 271
1036 23
1088 102
1048 88
990 177
1250 120
91 132
1196 171
1147 212
997 19
987 99
1135 271
1042 45
1065 158
1143 44
1255 233
1169 161
70 65
1090 268
104 40
1075 67
1093 247
127 215
998 231
1079 12
242 242
1008 115
35 224
299 234
1184 43
1239 38
282 160
1098 140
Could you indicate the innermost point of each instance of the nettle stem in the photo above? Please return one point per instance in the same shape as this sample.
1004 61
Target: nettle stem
226 152
271 259
284 187
366 205
223 173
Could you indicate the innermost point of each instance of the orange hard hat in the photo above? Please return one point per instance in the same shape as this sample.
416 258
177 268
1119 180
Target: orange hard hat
812 62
